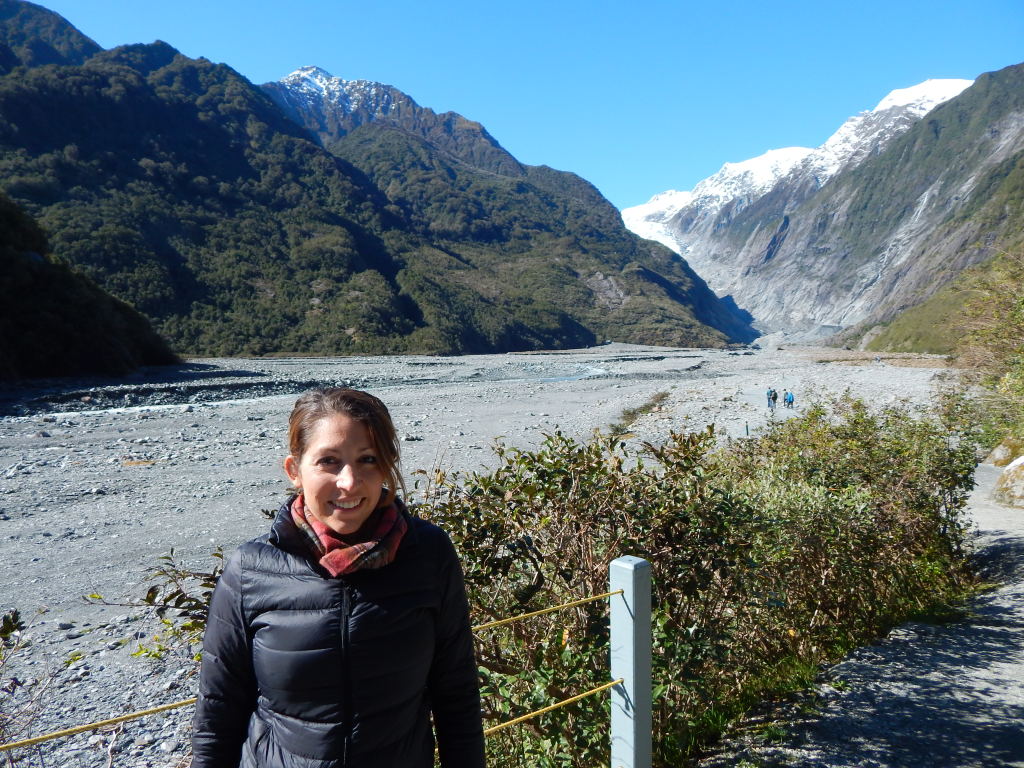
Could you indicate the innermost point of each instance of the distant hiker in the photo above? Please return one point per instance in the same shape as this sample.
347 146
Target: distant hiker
342 637
775 399
768 394
788 398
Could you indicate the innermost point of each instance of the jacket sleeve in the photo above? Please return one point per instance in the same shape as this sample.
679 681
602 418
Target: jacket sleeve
227 683
453 682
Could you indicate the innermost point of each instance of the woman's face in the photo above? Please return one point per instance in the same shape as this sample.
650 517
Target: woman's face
339 473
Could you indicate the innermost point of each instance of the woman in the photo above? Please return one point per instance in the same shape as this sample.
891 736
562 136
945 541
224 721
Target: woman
332 640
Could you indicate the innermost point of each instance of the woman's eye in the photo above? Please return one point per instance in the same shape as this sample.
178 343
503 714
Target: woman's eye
368 460
326 461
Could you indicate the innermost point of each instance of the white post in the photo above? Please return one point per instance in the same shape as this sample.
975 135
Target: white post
631 660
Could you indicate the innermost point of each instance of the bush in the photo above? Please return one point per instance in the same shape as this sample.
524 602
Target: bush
769 556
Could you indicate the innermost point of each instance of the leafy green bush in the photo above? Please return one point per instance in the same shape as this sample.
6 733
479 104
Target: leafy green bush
769 556
991 350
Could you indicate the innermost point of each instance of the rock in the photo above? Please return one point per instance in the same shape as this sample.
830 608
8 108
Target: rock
1010 485
1005 452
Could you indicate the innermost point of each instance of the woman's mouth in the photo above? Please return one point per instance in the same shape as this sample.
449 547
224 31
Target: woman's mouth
346 505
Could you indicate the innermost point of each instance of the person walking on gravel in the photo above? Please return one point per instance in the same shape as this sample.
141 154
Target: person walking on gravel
342 637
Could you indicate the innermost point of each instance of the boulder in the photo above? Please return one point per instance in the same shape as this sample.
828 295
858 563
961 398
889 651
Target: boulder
1009 488
1006 452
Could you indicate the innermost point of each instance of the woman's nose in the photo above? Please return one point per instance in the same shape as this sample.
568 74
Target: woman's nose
347 477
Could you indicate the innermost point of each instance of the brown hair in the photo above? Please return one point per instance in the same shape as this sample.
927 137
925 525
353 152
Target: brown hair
359 406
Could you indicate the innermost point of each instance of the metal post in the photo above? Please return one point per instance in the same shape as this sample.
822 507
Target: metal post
631 660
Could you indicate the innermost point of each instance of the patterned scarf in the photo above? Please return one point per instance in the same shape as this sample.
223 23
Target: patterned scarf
382 533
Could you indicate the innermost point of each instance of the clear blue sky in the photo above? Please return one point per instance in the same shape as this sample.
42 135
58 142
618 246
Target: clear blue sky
637 97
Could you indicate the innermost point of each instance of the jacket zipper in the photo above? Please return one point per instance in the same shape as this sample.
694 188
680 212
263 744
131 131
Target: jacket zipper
347 672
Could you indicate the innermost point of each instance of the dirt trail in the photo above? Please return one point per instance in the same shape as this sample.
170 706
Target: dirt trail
926 695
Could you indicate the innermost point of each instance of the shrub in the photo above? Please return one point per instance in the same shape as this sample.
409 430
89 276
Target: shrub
767 556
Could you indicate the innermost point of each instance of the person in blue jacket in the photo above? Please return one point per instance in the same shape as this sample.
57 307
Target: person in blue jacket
340 639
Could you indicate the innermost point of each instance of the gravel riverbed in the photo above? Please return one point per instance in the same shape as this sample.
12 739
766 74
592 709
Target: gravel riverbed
99 479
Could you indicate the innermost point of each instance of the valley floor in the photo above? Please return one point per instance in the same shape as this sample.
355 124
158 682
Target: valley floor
100 479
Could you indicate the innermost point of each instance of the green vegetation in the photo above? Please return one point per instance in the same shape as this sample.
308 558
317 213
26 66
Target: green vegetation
771 556
13 719
55 322
32 36
930 327
629 415
991 349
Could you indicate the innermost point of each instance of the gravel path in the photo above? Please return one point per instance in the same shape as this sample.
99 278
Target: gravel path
99 479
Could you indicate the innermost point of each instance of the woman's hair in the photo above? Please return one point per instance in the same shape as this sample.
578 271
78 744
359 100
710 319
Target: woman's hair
358 406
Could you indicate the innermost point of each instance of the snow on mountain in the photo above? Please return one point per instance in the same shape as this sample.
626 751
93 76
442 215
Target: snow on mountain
749 178
320 86
670 216
648 219
923 97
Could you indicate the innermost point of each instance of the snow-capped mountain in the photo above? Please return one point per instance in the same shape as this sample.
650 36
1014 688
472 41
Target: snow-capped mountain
674 218
318 87
331 107
762 191
736 183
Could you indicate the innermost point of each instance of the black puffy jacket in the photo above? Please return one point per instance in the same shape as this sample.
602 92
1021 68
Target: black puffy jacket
301 670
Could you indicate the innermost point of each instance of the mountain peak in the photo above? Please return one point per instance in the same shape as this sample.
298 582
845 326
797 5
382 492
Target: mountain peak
318 85
38 36
743 182
923 97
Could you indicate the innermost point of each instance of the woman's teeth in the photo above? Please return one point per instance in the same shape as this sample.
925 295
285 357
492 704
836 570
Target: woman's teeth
347 504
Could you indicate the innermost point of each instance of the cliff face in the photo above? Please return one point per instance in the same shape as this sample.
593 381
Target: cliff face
911 202
891 231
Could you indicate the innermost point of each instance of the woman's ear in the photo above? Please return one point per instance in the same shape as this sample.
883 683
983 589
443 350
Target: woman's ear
291 468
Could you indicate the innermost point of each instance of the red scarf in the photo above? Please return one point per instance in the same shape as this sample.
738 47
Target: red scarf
375 545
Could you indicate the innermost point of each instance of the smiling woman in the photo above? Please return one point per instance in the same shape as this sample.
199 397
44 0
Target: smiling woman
344 451
337 637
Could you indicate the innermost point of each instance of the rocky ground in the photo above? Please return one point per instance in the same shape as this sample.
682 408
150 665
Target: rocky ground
98 480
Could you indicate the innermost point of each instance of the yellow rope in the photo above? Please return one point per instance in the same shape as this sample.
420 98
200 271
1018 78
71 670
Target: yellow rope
516 721
94 726
186 702
499 622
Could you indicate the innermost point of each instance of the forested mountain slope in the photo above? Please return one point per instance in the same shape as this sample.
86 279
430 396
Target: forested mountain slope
184 190
56 322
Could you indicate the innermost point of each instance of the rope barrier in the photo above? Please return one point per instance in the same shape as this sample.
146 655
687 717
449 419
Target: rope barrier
94 726
531 715
500 622
186 702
